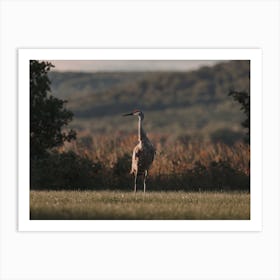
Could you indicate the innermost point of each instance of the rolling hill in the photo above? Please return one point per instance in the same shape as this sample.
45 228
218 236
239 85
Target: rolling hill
192 103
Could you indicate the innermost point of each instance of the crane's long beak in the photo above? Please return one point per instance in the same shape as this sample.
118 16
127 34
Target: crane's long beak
128 114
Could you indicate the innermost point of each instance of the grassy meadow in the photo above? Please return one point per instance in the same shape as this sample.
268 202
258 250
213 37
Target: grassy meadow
119 205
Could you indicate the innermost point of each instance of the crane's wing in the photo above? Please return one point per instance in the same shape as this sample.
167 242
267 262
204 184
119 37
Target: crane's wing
135 159
142 158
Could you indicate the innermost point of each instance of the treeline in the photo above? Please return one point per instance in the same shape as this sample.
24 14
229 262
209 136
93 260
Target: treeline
195 101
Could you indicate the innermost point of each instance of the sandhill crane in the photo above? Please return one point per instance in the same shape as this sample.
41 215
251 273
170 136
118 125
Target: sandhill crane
143 153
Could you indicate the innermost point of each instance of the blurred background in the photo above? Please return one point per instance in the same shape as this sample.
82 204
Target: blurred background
197 115
182 98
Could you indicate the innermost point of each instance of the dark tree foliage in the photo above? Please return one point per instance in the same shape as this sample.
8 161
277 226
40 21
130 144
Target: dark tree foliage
244 99
47 113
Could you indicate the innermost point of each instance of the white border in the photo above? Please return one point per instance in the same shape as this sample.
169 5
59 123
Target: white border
254 55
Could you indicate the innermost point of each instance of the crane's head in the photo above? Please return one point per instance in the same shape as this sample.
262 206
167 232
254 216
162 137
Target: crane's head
135 113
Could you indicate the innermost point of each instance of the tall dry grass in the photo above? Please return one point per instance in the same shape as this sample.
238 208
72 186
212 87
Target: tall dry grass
179 162
172 155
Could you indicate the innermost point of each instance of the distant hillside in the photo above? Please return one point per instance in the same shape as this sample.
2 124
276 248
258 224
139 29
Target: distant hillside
194 102
71 84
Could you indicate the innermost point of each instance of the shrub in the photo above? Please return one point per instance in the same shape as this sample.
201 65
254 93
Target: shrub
226 136
64 171
105 162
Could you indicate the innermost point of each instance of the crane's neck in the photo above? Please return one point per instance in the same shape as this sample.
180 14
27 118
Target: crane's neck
141 132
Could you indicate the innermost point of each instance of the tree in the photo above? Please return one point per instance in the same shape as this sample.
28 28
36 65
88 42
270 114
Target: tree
244 99
48 117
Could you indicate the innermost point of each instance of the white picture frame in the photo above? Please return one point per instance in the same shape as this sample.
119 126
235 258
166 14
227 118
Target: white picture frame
255 222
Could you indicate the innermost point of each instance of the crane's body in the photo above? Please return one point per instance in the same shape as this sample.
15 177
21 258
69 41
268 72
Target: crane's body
143 153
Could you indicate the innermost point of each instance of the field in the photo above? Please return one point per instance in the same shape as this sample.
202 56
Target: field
201 168
119 205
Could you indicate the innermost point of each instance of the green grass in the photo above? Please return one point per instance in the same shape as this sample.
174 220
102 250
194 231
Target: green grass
117 205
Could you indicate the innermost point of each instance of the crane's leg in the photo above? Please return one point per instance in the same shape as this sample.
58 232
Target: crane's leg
145 177
135 183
